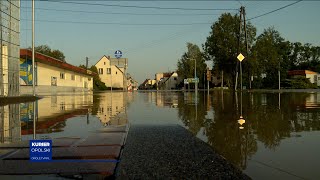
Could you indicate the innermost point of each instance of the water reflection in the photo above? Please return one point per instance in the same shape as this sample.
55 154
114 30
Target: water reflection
10 128
63 115
264 118
112 108
51 113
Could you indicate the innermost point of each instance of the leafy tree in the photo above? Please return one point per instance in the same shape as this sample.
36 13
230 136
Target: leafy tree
97 83
221 45
271 52
186 65
46 50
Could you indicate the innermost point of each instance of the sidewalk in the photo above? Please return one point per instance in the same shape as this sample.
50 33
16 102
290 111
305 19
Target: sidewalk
171 152
94 156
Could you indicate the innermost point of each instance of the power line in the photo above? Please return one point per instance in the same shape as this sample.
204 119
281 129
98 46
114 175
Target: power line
128 24
142 7
275 10
102 12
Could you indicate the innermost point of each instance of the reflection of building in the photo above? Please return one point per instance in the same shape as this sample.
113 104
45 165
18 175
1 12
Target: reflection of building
52 75
314 77
165 99
313 100
112 71
51 111
9 47
112 108
10 129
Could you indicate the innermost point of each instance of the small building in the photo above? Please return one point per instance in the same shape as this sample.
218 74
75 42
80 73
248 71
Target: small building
132 83
314 77
147 84
167 81
52 75
112 72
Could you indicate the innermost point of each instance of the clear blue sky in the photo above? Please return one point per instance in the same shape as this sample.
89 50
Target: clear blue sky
153 48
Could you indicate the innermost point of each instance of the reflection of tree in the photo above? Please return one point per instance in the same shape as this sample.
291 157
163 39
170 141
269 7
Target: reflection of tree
96 103
266 121
192 116
224 134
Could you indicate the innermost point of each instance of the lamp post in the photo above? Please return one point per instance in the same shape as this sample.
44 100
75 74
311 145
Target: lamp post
195 76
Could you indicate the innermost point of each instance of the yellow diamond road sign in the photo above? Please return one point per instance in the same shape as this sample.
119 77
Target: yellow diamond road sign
240 57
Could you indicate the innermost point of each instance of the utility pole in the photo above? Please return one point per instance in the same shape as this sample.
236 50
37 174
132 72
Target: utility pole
239 35
242 14
33 61
204 81
279 75
246 39
110 74
195 74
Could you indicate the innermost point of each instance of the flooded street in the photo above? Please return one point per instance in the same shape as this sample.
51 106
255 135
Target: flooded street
267 135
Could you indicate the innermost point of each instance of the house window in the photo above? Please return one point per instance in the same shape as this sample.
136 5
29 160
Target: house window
61 75
73 77
100 71
104 63
80 79
89 79
116 72
319 78
175 78
108 70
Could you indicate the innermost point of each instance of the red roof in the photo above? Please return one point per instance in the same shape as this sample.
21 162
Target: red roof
300 72
53 62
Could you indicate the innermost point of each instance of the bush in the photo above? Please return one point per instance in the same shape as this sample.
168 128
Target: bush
302 83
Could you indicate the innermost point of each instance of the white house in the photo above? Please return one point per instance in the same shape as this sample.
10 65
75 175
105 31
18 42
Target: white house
167 81
112 71
314 77
52 75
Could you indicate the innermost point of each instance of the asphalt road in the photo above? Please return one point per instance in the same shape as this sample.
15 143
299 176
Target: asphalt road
171 152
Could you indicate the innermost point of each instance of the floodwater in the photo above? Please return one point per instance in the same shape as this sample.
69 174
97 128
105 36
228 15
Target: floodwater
267 135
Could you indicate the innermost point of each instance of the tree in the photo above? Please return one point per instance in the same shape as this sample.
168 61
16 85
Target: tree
221 45
272 53
97 83
46 50
186 65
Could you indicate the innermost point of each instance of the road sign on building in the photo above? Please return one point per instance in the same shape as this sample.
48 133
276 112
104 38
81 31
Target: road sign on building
118 54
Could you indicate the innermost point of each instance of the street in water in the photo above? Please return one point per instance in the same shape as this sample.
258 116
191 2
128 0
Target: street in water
263 134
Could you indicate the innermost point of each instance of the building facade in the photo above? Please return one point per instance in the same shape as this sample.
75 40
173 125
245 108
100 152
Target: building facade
9 47
52 75
112 72
313 77
167 81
